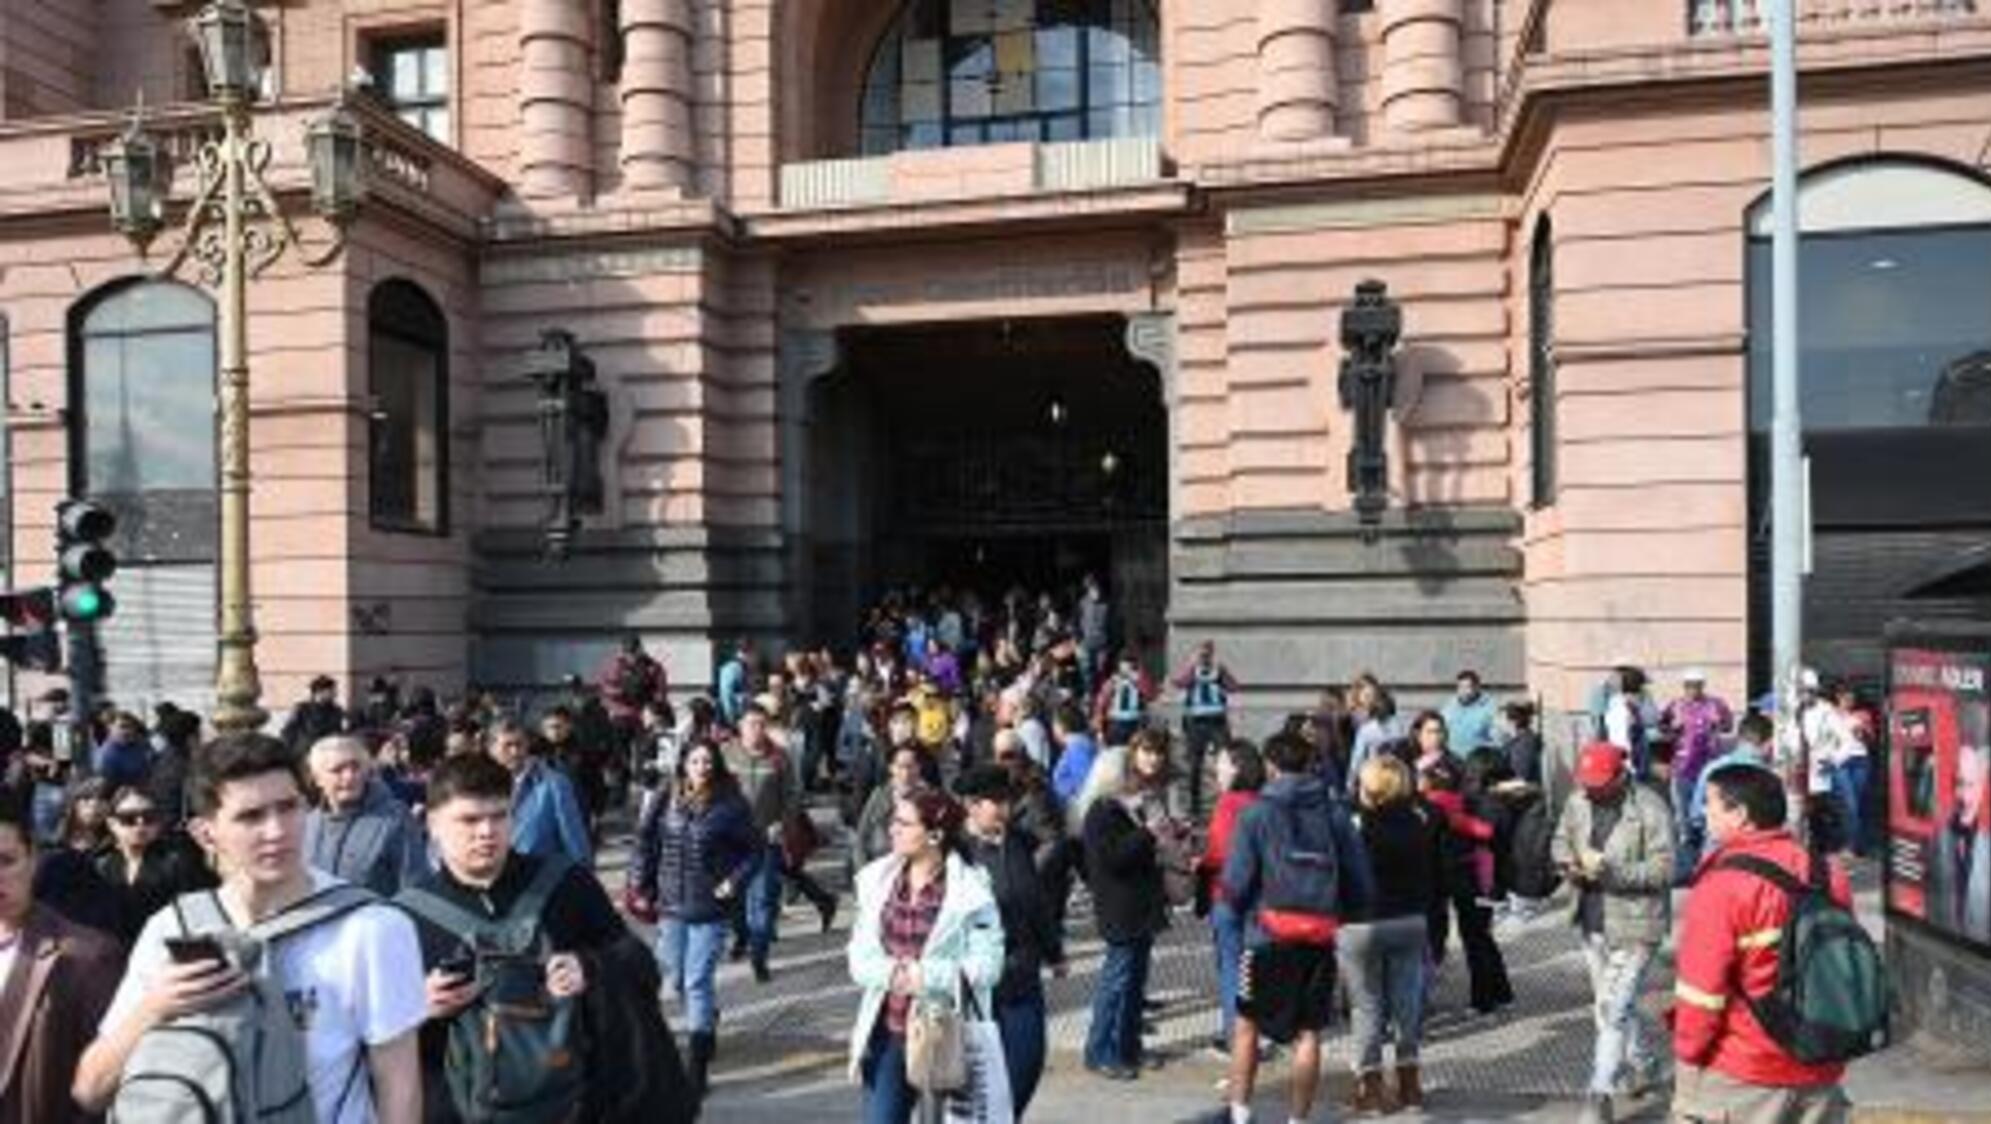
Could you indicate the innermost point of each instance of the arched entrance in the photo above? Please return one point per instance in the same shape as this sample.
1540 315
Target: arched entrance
988 456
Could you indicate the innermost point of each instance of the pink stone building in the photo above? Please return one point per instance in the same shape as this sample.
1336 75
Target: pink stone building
1010 290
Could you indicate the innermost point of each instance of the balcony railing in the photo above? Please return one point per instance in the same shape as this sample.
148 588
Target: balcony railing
960 173
1750 17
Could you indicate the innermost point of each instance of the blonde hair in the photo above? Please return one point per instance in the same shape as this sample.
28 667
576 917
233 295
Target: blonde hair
1384 780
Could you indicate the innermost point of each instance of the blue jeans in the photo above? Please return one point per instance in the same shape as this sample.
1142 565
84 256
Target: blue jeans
764 903
1227 935
1114 1038
689 953
1021 1022
1617 975
1849 784
888 1097
1383 962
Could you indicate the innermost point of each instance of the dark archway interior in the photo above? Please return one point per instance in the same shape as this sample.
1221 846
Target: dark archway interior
985 456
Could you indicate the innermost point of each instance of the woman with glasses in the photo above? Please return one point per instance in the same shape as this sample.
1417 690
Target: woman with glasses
145 865
927 930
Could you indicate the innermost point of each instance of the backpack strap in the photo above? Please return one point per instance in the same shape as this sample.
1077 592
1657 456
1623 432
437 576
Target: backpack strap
528 910
321 908
1771 872
429 906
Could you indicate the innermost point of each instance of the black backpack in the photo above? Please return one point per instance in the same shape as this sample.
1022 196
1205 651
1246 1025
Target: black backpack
1533 852
515 1055
1830 999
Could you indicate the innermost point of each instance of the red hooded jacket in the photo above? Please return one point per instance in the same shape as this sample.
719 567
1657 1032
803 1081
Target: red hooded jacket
1729 935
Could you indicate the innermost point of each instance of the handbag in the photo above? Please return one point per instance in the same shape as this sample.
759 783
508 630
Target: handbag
936 1047
986 1098
799 838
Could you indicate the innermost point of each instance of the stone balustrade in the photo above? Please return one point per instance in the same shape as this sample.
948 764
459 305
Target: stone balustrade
1750 17
925 175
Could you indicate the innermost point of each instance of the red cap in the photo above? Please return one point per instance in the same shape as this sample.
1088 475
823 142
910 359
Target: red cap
1599 764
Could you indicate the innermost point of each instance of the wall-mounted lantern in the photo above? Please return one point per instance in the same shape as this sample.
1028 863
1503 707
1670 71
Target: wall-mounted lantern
1370 328
573 422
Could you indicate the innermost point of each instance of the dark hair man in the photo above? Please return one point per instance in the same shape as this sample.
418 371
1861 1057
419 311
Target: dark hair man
57 979
353 983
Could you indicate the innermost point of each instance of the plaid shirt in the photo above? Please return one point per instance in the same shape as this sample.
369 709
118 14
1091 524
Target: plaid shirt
909 917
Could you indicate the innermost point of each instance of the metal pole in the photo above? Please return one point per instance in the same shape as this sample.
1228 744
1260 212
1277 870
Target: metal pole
1786 432
236 685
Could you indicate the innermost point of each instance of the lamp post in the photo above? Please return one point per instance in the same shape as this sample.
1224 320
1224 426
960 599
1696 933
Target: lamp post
235 230
1370 328
573 421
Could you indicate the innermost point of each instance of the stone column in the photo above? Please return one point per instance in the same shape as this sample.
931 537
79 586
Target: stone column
657 142
1298 91
1424 77
556 99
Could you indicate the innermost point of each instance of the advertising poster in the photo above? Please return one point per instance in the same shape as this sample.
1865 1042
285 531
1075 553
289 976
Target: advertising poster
1939 791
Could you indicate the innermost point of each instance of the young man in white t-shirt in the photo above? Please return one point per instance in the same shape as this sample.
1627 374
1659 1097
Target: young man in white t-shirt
354 983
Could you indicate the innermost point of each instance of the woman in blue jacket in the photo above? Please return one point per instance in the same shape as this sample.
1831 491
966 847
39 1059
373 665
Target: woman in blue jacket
694 853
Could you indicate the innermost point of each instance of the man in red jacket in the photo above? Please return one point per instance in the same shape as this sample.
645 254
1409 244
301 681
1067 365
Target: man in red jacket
1730 1069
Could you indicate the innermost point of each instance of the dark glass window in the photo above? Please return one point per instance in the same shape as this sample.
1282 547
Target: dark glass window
143 440
408 448
412 74
1541 367
964 72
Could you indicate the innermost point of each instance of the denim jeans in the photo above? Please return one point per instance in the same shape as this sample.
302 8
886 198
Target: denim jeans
689 953
1021 1022
888 1097
1227 935
1114 1038
1617 974
764 903
1849 784
1383 963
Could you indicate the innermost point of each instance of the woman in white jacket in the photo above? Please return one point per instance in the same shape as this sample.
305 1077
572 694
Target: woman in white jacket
927 928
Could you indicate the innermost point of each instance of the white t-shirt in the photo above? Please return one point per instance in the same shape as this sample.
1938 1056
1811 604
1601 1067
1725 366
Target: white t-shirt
351 981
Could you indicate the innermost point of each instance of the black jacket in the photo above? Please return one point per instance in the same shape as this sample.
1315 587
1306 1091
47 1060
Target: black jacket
1124 873
172 866
1030 931
1403 843
683 854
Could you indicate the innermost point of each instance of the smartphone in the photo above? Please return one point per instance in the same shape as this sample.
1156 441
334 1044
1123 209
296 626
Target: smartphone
195 950
462 964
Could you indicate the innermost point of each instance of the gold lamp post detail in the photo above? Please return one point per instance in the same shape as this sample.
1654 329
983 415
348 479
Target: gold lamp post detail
234 231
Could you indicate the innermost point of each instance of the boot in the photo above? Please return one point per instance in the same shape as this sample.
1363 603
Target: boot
1370 1094
703 1044
1409 1090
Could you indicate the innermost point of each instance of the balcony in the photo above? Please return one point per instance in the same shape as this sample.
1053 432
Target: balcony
1716 18
981 171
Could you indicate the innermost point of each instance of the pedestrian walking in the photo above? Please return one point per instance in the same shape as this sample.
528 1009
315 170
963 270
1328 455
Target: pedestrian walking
1699 724
1296 869
1122 702
1382 949
1123 832
1032 939
1467 879
146 865
1615 843
1206 687
1240 775
358 830
927 930
1729 1067
546 813
773 793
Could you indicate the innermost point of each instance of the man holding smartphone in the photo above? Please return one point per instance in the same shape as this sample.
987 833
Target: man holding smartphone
352 983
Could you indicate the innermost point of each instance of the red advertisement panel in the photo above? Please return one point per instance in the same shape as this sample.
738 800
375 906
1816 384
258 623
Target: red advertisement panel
1939 791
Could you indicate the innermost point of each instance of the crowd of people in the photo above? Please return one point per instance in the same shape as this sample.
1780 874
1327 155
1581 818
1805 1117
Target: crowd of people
411 883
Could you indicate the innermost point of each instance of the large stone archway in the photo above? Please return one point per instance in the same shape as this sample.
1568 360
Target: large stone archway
823 48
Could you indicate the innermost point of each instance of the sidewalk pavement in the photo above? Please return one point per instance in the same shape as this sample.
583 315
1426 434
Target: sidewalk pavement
783 1045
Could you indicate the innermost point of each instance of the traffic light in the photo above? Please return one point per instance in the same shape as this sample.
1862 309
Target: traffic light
82 562
32 642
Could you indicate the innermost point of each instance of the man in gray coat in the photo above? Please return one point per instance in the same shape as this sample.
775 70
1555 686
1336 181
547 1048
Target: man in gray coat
359 831
1615 845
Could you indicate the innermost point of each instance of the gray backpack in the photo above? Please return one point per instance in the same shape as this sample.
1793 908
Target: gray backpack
243 1062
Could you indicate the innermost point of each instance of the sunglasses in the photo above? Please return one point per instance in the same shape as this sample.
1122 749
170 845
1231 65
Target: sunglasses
136 819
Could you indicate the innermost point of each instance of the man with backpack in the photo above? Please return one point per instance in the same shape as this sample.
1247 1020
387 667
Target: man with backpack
359 831
533 983
1295 869
284 996
1615 843
1778 986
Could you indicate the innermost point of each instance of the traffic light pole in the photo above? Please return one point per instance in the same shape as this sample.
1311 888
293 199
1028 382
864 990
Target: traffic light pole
86 684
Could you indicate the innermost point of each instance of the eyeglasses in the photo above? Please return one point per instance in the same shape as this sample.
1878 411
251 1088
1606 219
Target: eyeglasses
145 818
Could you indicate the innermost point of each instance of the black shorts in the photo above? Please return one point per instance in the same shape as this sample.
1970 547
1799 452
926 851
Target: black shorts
1286 989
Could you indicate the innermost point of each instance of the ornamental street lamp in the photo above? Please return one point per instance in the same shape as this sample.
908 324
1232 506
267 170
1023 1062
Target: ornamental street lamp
573 421
235 230
1370 328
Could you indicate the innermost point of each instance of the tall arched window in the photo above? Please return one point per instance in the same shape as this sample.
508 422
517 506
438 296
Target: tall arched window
143 434
964 72
1541 366
408 379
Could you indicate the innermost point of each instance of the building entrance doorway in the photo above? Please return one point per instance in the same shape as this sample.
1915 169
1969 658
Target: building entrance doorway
990 457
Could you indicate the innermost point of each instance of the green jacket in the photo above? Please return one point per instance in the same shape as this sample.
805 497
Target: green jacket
1638 863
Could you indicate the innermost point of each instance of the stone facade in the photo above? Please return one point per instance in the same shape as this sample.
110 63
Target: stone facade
678 183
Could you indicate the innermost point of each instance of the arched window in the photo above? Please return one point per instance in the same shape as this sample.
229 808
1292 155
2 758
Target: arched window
408 380
1541 366
965 72
143 429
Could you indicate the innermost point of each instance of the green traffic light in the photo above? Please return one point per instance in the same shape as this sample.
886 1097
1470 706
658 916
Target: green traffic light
88 603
